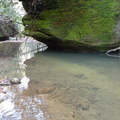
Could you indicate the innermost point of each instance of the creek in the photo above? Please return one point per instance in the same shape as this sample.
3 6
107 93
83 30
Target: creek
57 85
76 86
63 86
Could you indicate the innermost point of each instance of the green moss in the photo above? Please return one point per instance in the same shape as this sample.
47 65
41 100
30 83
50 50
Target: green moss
84 21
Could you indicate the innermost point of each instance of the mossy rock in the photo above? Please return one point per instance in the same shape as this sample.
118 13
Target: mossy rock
77 24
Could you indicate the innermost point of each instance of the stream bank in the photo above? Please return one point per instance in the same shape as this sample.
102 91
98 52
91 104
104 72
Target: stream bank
13 79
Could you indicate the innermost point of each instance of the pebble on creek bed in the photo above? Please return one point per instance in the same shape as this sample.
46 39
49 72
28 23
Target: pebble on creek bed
15 81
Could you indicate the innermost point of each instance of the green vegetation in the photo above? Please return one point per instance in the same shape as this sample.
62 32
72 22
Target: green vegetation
88 22
9 9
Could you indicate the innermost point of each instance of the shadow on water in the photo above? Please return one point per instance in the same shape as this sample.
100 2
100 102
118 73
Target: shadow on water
62 86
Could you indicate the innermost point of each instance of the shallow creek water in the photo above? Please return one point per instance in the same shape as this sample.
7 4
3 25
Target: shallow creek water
82 86
68 86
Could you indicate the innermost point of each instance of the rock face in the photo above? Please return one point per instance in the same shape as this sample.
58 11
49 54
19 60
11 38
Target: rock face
7 28
79 25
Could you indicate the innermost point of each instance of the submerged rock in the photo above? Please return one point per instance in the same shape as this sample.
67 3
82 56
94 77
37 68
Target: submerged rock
15 81
75 25
45 90
7 28
84 105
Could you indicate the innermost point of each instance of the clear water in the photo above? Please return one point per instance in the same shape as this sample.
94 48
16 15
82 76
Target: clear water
63 86
75 86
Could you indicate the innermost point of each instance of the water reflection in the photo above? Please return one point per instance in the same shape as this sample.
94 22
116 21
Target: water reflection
13 54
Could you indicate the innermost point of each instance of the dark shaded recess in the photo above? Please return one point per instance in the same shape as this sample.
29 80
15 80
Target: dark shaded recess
114 52
57 44
31 8
4 38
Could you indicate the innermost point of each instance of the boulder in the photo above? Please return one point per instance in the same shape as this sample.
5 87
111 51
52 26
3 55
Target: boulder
78 25
7 28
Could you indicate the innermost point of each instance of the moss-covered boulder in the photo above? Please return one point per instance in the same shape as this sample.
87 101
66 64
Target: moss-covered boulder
81 25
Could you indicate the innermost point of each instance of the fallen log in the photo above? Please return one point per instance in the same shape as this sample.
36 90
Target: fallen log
117 50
